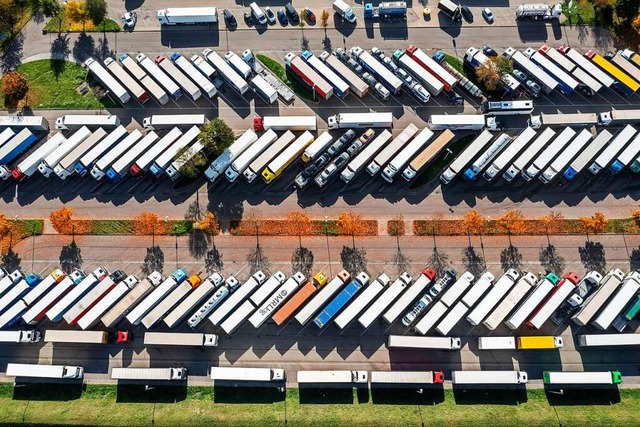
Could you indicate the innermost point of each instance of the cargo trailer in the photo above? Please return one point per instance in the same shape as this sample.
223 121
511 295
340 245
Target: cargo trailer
20 122
169 301
303 295
16 146
562 120
238 317
230 285
468 154
164 160
339 301
525 284
410 295
317 147
629 288
147 82
193 299
75 337
620 141
528 154
391 149
112 86
135 295
94 315
284 123
360 121
276 299
144 163
356 84
37 311
524 310
99 170
547 83
626 157
126 80
358 162
258 165
383 379
55 313
205 85
340 87
608 286
13 315
623 82
88 301
517 145
67 166
387 298
226 72
557 296
204 67
427 155
432 67
242 293
566 83
49 163
180 339
29 165
149 374
187 16
418 72
471 378
267 92
332 377
434 343
88 160
223 161
321 298
582 378
496 343
493 297
308 76
178 76
557 166
539 343
238 166
577 57
40 289
160 291
362 301
542 160
121 167
238 64
239 377
18 290
11 279
21 370
406 154
608 340
277 165
478 165
457 312
160 76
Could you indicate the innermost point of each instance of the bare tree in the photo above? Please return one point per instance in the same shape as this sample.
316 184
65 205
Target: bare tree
154 260
256 260
551 260
473 261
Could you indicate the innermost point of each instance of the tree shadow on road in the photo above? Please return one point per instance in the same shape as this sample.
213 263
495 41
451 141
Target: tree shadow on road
551 260
11 56
10 260
302 260
354 260
634 259
70 257
401 262
439 261
473 261
59 53
154 260
198 243
592 256
510 257
257 261
213 261
83 48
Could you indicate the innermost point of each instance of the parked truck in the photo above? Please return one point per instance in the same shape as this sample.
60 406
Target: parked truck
88 301
238 64
356 84
571 305
317 147
309 77
621 140
170 121
560 163
630 311
332 377
38 310
146 81
523 286
187 15
431 66
547 83
66 166
276 299
124 305
340 87
55 372
362 301
560 292
228 74
481 378
589 67
528 154
433 343
93 316
108 81
451 9
561 120
205 85
16 146
478 165
149 374
608 286
623 83
238 377
84 337
144 163
210 304
160 76
88 160
566 83
360 121
20 336
180 339
160 291
582 378
340 300
174 297
538 11
174 170
100 168
386 10
223 161
358 162
126 80
277 165
303 295
178 76
29 165
608 340
48 164
345 11
392 148
261 87
163 161
56 276
385 379
194 299
321 298
410 295
518 144
472 150
628 289
121 167
379 71
20 122
542 160
55 313
257 166
242 162
387 298
284 123
405 154
239 296
77 121
18 290
493 297
626 157
425 156
535 298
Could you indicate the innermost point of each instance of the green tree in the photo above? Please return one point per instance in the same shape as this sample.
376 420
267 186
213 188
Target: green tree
96 10
216 136
10 14
505 66
193 164
488 74
50 8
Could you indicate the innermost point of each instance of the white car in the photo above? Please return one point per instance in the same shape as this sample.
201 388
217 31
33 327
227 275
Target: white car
129 19
271 17
421 93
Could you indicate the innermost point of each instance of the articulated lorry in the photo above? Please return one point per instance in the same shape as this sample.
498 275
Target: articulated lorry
520 343
84 337
21 122
18 290
170 121
135 295
356 84
620 141
340 87
163 161
387 298
100 168
472 172
276 299
37 311
222 162
433 343
149 374
112 86
160 76
88 160
239 296
360 121
597 300
55 313
360 160
160 291
547 83
308 76
77 121
392 148
239 377
518 144
54 372
285 158
257 166
180 339
29 165
558 295
406 154
332 377
193 299
535 298
582 378
48 164
379 71
20 336
628 290
426 278
126 80
432 67
174 170
178 76
322 297
542 160
562 161
93 316
518 292
493 297
228 74
608 340
528 154
481 378
169 301
205 85
242 162
67 166
146 81
418 72
144 163
230 285
339 301
424 157
362 301
469 153
385 379
303 295
121 167
87 302
187 15
284 123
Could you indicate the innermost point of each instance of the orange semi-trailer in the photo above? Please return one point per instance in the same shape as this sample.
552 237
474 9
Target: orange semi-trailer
301 297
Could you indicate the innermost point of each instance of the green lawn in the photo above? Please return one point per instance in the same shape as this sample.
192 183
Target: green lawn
61 23
102 405
455 63
281 73
125 226
581 13
53 84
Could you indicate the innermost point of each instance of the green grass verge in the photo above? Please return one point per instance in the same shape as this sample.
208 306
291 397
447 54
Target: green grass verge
53 84
28 226
200 406
281 73
441 161
455 63
61 23
580 13
125 226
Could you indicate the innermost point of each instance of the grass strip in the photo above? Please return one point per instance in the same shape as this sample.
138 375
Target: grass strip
281 73
445 157
62 23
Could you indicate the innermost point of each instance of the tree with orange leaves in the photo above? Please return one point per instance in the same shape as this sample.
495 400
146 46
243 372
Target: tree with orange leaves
62 220
209 224
595 224
298 223
351 223
636 216
473 222
5 226
513 221
149 223
552 222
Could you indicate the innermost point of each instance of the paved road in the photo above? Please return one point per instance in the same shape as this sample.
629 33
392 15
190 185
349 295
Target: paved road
294 347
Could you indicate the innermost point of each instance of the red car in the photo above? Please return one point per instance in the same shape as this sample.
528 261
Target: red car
311 17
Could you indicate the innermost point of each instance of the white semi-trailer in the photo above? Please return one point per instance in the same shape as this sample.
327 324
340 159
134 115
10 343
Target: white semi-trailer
170 121
174 170
322 297
187 15
193 299
469 378
164 160
99 170
149 84
88 160
149 374
620 141
557 166
160 76
174 297
469 153
525 284
467 302
406 154
383 379
242 162
229 75
121 167
360 121
332 377
29 165
205 85
276 299
528 154
587 155
608 286
256 167
76 312
129 82
178 76
215 300
242 293
23 370
493 297
93 316
285 123
108 81
462 122
608 340
139 311
427 276
223 161
629 288
357 85
122 307
534 299
143 164
58 310
246 376
67 166
501 162
547 155
49 163
20 336
391 149
238 64
386 299
363 300
367 153
434 343
180 339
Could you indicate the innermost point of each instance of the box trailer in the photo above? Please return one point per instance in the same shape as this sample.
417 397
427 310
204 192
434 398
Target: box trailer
308 76
56 276
170 121
526 283
601 340
578 58
163 161
205 85
204 67
20 336
321 298
557 296
284 123
276 166
192 300
107 80
433 343
240 164
143 164
300 298
29 165
542 160
93 316
23 370
539 343
356 84
339 301
261 87
426 277
88 160
149 374
180 339
18 290
317 147
273 150
20 122
88 301
451 9
227 73
566 83
608 286
13 314
582 378
126 80
626 157
524 310
160 76
242 293
387 298
560 163
266 289
620 141
360 121
362 301
222 162
427 155
628 289
340 87
135 295
430 65
332 377
11 279
238 317
147 82
100 168
169 301
623 82
37 311
160 291
469 153
48 164
517 145
238 64
121 167
406 154
67 165
562 120
547 83
55 313
187 15
392 148
276 299
496 343
6 135
178 76
379 71
16 146
75 337
174 170
493 297
358 162
528 154
455 291
246 376
457 312
470 378
213 301
478 165
418 72
382 379
429 320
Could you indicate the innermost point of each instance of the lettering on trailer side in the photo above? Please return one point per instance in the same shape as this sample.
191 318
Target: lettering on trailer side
274 302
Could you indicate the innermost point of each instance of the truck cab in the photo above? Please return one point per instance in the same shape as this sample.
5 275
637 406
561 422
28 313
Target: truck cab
120 337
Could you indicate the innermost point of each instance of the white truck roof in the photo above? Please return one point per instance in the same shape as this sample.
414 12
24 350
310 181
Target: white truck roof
124 163
369 150
493 297
576 146
226 72
529 153
410 295
386 299
408 341
406 153
72 157
488 377
534 299
172 151
429 320
466 156
109 82
238 316
517 145
107 142
392 148
620 141
320 298
549 153
238 296
115 152
427 154
145 161
526 283
363 300
239 165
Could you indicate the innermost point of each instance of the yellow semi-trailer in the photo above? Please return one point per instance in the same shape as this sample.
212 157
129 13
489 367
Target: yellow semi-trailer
275 168
539 342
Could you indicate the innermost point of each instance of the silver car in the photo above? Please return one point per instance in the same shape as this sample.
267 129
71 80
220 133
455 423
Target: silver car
353 64
377 53
330 170
404 76
381 91
388 62
421 93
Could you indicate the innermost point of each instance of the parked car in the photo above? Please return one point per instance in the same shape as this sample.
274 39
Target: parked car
282 17
381 91
344 139
488 15
292 14
390 64
404 76
129 20
229 19
311 17
366 136
520 76
466 13
248 18
330 170
489 51
271 17
353 149
421 93
455 99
